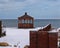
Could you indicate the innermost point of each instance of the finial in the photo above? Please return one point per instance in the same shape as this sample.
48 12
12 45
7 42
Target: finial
25 13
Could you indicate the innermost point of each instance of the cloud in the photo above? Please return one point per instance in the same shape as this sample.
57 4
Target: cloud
3 1
41 8
52 0
6 1
14 4
45 9
18 0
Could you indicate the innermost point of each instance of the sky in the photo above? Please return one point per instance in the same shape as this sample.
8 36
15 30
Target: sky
39 9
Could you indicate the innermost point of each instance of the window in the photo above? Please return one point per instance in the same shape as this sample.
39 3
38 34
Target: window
22 21
30 21
26 21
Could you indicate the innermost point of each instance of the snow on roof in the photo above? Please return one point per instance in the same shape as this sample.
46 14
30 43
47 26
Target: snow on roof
36 29
58 32
58 29
46 25
53 31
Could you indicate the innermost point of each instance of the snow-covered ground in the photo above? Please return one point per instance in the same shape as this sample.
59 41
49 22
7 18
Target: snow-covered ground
19 37
16 36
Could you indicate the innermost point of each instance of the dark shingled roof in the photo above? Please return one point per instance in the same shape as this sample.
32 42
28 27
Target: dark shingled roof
46 28
25 17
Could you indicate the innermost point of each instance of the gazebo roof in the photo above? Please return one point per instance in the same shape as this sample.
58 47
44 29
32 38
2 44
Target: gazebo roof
25 16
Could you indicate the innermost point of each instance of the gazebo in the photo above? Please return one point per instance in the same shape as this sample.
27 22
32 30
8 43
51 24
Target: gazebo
25 21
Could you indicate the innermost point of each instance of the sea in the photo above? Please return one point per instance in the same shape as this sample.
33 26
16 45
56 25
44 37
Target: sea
55 23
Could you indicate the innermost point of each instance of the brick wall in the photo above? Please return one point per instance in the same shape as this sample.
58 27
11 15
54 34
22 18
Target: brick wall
33 39
53 40
42 39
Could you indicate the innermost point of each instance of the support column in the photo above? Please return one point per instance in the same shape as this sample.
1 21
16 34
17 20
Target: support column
0 28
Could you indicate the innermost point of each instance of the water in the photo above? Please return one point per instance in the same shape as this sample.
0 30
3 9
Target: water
37 22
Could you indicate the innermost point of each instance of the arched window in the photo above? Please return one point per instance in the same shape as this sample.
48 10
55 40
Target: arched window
23 21
31 21
26 21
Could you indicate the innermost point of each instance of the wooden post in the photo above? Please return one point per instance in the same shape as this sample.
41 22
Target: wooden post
0 28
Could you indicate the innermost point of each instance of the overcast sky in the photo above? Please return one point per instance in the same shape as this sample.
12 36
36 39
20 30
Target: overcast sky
39 9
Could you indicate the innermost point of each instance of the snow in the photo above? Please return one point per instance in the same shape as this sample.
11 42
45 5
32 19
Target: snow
16 36
58 32
58 29
53 31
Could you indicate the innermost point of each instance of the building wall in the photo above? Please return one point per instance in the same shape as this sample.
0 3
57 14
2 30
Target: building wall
33 40
43 39
53 38
25 25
